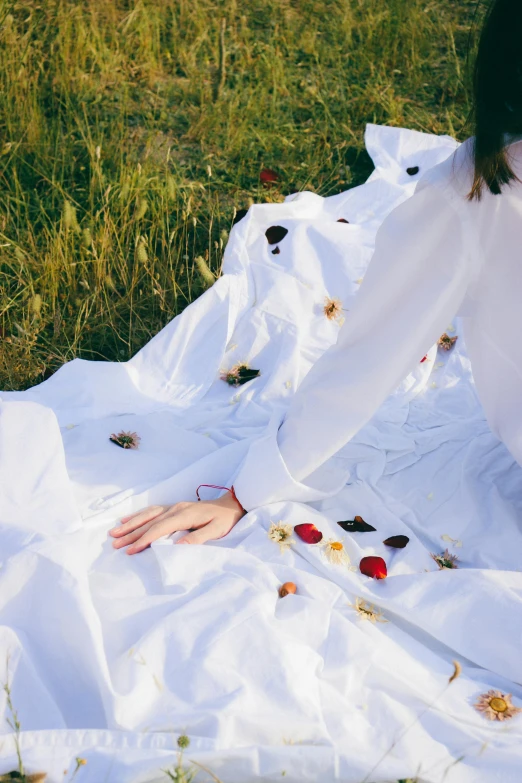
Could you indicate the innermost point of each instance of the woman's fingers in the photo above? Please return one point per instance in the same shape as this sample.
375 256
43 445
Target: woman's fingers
143 511
155 531
192 516
128 524
209 532
130 538
207 520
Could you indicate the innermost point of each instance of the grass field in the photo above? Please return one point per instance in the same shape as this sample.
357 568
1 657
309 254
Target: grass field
132 131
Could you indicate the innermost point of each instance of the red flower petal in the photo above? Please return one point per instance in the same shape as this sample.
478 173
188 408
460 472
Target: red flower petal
399 542
374 567
269 177
308 533
424 358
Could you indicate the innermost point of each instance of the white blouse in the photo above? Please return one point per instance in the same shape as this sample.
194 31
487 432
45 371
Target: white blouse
437 255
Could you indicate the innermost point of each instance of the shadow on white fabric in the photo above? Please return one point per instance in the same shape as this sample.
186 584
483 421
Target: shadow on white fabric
111 657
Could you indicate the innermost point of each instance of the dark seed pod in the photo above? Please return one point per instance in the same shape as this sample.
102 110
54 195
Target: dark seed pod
275 234
398 542
240 214
356 525
246 374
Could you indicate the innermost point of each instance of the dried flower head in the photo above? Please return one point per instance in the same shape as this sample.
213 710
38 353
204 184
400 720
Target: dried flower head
205 272
281 534
495 705
446 560
141 251
127 440
183 741
446 342
333 309
239 374
86 237
36 304
70 220
368 611
335 552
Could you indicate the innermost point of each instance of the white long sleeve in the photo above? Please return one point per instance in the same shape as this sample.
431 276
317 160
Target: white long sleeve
414 285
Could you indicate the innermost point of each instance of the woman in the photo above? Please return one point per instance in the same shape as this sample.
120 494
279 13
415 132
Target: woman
453 248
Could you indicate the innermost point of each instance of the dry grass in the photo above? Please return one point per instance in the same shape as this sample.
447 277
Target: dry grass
131 131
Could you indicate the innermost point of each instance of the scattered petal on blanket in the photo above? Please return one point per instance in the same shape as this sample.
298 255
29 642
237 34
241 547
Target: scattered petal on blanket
122 661
240 214
373 566
275 234
397 542
356 525
455 541
308 533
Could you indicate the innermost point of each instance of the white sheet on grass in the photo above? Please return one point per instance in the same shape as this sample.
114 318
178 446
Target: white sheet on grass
112 657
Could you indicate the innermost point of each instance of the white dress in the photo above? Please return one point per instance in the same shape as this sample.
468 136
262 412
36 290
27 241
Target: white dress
437 255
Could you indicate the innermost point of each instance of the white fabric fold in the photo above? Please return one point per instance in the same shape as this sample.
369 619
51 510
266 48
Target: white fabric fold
414 285
111 657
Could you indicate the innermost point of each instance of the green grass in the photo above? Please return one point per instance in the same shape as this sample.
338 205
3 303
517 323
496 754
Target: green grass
131 131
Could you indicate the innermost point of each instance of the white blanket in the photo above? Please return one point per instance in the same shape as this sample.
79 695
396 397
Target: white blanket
111 657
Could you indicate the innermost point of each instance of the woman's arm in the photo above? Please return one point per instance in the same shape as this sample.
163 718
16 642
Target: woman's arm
414 286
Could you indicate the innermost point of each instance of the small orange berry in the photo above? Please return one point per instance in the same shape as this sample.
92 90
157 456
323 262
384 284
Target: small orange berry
288 587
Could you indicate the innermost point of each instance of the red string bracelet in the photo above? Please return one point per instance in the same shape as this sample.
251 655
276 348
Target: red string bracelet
215 486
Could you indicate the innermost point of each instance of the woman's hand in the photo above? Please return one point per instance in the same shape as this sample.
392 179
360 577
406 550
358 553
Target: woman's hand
206 519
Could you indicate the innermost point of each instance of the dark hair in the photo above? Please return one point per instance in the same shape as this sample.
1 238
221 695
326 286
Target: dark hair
497 92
